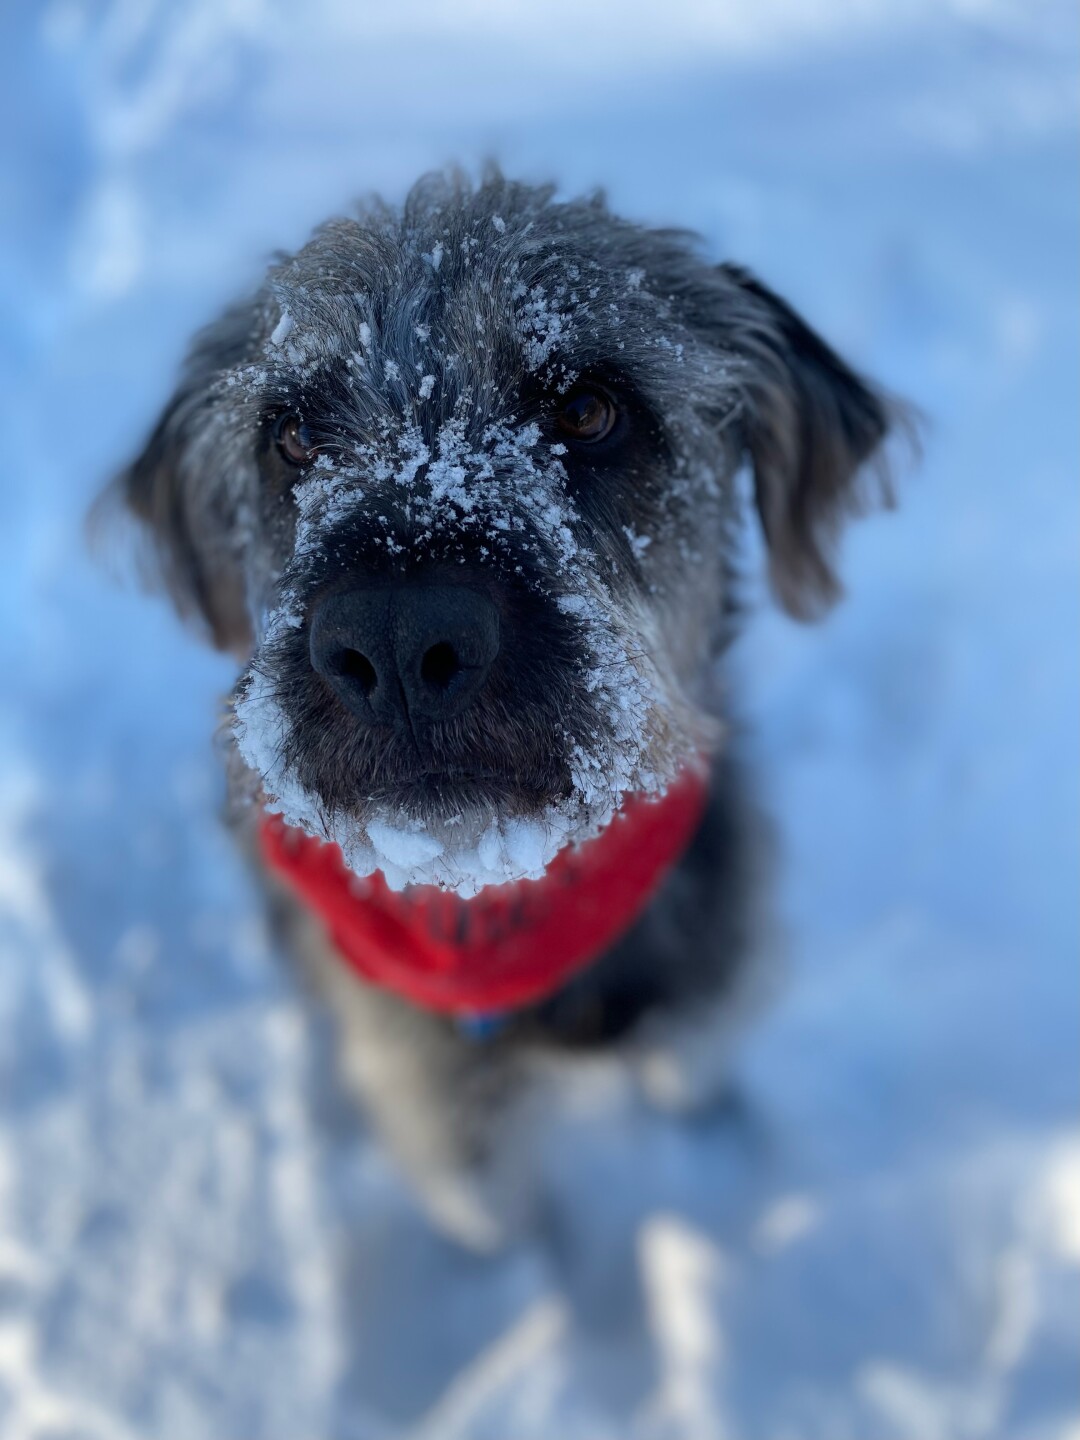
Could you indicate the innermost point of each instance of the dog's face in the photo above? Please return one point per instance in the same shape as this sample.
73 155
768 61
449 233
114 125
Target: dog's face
457 486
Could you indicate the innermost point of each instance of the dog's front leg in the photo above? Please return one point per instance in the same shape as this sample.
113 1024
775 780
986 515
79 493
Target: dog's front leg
449 1107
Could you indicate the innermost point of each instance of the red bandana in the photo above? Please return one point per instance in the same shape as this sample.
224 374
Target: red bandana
511 944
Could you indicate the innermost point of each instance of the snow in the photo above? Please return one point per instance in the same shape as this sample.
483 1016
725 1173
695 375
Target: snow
282 329
878 1239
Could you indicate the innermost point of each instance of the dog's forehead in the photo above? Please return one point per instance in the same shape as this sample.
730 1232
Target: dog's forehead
470 291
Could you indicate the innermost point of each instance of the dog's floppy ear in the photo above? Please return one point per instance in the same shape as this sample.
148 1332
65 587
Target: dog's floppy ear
184 489
809 425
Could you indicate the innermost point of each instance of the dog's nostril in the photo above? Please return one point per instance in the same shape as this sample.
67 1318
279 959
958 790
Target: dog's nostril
354 666
440 666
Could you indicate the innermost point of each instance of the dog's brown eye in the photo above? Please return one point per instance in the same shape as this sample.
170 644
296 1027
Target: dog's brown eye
294 440
589 415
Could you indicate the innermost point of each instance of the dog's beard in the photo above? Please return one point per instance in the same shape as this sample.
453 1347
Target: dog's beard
473 820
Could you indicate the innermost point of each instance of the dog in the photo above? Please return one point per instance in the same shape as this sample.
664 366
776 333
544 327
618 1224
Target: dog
458 487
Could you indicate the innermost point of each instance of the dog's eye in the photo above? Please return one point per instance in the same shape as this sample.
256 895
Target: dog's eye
293 439
588 415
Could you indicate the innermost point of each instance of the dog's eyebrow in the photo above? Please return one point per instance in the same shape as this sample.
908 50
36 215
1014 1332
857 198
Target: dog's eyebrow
316 392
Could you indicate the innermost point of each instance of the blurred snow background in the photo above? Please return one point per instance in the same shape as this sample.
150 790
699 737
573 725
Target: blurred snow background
879 1242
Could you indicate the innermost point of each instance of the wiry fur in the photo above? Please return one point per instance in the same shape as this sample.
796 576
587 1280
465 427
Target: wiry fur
428 349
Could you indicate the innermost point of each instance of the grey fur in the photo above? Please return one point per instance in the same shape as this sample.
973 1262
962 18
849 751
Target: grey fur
470 312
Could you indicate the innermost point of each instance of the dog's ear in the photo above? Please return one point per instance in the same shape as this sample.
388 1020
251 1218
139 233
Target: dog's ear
183 490
809 425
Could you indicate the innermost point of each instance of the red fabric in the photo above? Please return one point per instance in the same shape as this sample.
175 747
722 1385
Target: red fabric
510 945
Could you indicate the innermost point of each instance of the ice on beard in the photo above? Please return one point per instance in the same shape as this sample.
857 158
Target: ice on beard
463 854
495 851
467 855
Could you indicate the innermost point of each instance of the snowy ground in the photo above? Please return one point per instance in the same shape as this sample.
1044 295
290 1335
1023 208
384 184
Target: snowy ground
880 1241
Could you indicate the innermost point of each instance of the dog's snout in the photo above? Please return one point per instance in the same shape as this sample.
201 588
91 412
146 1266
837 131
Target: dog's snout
405 653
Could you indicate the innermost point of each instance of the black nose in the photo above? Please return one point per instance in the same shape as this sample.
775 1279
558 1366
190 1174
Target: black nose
405 653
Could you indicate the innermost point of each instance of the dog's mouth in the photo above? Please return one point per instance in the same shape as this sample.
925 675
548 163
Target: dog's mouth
442 792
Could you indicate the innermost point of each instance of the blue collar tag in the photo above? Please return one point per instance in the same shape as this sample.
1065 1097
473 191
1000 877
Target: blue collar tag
482 1026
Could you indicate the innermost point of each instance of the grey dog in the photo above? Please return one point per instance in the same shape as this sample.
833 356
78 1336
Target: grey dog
523 419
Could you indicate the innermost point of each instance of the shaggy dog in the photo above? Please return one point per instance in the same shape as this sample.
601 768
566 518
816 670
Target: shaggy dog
456 486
